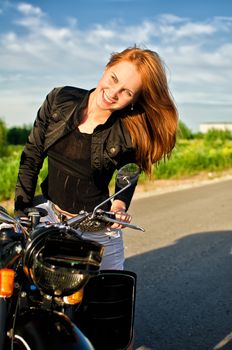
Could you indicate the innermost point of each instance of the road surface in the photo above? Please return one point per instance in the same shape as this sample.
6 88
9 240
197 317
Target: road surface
184 266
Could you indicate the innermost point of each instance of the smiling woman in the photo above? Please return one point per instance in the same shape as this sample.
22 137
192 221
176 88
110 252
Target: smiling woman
119 86
87 135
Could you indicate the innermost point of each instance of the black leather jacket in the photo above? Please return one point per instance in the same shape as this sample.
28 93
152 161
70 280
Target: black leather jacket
60 114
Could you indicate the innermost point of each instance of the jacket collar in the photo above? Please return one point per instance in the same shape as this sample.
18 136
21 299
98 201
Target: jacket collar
75 117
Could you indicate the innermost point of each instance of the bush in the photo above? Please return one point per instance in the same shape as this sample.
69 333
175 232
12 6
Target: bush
214 136
9 171
194 156
9 166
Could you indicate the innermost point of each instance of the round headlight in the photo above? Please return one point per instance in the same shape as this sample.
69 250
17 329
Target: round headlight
57 280
59 262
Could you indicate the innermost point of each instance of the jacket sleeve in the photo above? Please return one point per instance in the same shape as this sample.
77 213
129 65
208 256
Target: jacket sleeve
127 195
32 158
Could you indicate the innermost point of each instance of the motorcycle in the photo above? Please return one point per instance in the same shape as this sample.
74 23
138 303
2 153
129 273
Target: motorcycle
53 294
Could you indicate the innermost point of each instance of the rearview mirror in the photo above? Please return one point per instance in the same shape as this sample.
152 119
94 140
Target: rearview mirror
128 174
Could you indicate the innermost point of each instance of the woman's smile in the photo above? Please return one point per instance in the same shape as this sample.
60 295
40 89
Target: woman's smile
107 99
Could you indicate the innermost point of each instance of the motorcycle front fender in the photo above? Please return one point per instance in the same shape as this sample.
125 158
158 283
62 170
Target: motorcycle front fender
46 330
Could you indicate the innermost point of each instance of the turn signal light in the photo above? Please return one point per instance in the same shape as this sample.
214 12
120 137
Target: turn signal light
75 298
6 282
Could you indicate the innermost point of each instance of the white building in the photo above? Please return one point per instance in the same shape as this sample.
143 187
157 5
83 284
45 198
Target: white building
204 127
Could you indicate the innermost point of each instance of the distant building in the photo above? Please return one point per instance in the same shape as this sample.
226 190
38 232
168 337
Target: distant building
204 127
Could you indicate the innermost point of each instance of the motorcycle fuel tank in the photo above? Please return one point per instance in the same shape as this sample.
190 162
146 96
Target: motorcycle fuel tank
46 330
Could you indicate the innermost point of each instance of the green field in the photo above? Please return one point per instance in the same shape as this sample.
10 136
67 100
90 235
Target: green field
190 157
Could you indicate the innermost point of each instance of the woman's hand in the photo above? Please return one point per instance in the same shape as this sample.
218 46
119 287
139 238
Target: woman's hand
119 208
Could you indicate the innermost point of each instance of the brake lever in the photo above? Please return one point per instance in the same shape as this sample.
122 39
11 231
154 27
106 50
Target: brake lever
126 224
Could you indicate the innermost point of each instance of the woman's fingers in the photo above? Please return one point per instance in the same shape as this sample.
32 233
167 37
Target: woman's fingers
121 216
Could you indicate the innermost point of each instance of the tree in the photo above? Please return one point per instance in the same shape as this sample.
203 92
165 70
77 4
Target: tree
184 131
3 140
18 135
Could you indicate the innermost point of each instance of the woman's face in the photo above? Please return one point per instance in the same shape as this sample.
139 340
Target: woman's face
119 86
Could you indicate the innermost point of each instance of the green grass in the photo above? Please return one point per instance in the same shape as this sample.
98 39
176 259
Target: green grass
194 156
189 158
9 170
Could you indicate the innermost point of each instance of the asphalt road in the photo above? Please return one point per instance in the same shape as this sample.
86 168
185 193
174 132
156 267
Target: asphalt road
184 266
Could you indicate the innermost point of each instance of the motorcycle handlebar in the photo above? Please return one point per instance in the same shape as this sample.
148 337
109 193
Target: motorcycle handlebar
101 215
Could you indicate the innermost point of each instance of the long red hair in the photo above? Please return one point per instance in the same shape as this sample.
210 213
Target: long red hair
154 120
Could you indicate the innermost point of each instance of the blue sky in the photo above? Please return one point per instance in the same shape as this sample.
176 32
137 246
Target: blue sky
51 43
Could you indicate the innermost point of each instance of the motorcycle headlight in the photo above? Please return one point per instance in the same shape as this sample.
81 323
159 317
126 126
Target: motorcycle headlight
59 262
57 280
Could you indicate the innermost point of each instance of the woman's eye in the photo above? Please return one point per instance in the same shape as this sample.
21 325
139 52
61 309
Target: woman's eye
114 78
128 93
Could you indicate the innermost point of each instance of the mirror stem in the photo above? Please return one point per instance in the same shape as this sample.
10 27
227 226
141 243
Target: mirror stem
108 199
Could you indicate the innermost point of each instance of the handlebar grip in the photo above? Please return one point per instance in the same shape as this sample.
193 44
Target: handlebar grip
125 224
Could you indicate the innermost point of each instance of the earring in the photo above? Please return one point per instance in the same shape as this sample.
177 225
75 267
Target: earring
132 106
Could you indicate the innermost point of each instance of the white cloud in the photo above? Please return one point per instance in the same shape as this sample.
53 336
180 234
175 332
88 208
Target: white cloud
198 56
194 29
29 10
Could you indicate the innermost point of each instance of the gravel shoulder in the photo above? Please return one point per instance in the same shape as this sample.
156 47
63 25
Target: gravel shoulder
156 187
